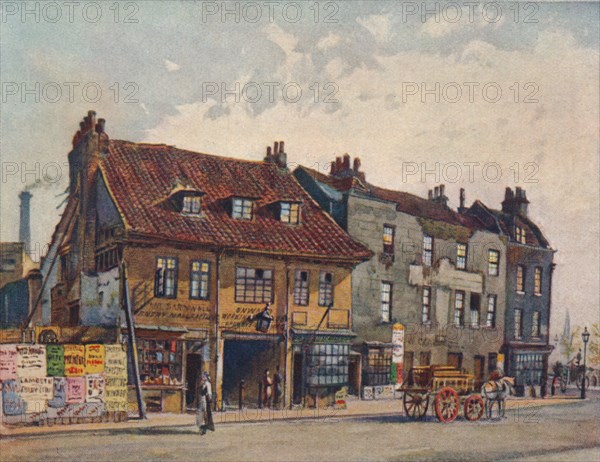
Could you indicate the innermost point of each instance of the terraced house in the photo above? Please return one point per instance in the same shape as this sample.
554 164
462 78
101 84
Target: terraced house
231 268
438 271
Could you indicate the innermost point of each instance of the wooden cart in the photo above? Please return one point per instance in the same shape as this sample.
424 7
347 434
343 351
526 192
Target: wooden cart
447 388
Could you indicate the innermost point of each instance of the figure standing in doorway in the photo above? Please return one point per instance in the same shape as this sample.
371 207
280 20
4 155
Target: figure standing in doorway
277 383
267 388
204 419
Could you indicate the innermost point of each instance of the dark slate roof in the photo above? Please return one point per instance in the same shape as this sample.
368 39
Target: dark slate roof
140 178
405 202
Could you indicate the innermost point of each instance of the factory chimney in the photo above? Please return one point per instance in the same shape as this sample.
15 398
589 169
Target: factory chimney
24 223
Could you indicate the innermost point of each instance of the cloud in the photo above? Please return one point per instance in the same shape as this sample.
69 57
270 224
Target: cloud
171 66
380 26
329 41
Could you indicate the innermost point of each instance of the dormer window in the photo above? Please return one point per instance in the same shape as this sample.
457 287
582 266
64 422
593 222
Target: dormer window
242 208
520 235
191 204
290 212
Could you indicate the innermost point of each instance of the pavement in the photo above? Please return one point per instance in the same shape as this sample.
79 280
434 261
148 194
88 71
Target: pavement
355 408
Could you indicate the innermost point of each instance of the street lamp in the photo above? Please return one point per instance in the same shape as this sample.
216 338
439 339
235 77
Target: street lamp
585 336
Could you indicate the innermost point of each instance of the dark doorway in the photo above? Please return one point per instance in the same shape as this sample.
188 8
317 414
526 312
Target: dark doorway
425 358
409 359
354 375
478 371
297 379
455 359
192 374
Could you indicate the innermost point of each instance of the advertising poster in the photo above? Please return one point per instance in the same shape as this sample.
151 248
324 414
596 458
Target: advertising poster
55 359
398 351
74 360
31 361
94 359
75 390
94 388
8 362
12 404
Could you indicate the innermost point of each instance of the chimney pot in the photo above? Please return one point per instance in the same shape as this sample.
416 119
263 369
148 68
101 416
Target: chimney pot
332 168
276 148
281 146
442 188
436 192
268 151
24 223
462 198
346 162
430 194
356 166
100 126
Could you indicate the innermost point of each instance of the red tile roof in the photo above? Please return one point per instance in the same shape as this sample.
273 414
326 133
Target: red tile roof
405 202
140 178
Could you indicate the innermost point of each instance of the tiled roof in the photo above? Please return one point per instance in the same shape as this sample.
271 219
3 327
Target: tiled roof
405 202
141 177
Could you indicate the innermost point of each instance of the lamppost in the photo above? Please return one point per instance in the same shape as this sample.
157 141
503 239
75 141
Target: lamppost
585 336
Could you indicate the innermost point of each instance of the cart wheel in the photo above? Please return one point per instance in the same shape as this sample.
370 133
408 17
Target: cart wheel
415 404
447 403
473 408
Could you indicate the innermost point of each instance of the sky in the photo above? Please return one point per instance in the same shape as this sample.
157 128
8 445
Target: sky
481 96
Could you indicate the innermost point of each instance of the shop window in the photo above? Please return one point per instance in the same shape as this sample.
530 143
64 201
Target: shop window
253 285
386 301
388 239
493 262
378 366
459 308
290 212
165 279
199 280
325 288
461 256
301 287
426 305
427 250
242 208
328 365
160 362
491 311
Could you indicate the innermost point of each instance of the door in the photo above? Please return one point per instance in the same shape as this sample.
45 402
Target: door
408 364
478 371
455 359
297 379
354 374
192 374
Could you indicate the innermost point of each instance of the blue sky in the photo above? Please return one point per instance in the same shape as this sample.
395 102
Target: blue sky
371 57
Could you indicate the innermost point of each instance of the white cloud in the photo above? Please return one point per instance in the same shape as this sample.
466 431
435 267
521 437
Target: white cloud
380 26
331 40
171 66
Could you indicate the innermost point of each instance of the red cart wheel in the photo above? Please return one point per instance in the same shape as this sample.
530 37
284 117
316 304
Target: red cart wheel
447 403
473 408
416 404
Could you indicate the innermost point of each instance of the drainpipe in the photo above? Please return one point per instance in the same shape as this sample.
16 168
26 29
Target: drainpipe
217 340
287 333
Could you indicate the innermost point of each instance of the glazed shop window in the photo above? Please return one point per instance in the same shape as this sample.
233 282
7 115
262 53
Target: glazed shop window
165 279
199 280
325 288
301 290
328 365
160 362
378 366
253 285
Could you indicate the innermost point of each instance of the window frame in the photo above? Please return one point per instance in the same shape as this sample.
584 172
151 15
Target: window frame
493 266
299 289
462 258
175 275
292 214
200 273
520 234
427 256
474 323
326 289
492 308
426 305
537 281
459 308
518 326
536 324
389 248
266 283
385 303
190 208
521 277
245 205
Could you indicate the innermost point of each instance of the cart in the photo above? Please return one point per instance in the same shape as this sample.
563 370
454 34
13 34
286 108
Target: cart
447 388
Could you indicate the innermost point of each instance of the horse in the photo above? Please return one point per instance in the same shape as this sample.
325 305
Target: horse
496 391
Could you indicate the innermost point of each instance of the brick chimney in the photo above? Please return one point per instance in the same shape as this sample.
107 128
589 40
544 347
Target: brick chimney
461 199
515 203
344 167
24 223
438 195
277 155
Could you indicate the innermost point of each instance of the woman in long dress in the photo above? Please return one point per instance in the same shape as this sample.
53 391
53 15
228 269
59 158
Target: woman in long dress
267 388
204 419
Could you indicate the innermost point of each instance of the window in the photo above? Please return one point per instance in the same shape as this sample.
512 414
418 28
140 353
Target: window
325 288
493 262
424 358
191 204
386 301
427 250
388 238
520 235
253 285
165 279
242 209
378 364
461 256
518 323
426 307
537 288
491 311
521 279
290 213
328 365
199 280
459 308
160 362
536 324
107 258
475 307
301 290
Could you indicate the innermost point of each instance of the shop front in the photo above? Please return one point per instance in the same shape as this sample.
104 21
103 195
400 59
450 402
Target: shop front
529 367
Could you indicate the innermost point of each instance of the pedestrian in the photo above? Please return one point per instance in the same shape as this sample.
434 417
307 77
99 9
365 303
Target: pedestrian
204 419
277 384
267 388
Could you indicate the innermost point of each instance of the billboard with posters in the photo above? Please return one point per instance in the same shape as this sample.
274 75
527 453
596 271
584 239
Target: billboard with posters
398 351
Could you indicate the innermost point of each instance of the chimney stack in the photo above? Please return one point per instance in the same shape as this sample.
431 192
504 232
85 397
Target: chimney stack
461 207
439 195
515 203
24 223
277 155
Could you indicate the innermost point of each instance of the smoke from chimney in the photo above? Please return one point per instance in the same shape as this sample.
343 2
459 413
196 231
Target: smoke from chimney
24 223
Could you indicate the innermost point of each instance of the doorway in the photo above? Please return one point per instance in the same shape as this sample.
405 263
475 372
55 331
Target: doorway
354 374
192 375
478 371
297 379
455 359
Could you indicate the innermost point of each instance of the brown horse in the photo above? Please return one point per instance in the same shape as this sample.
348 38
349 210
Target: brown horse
496 391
